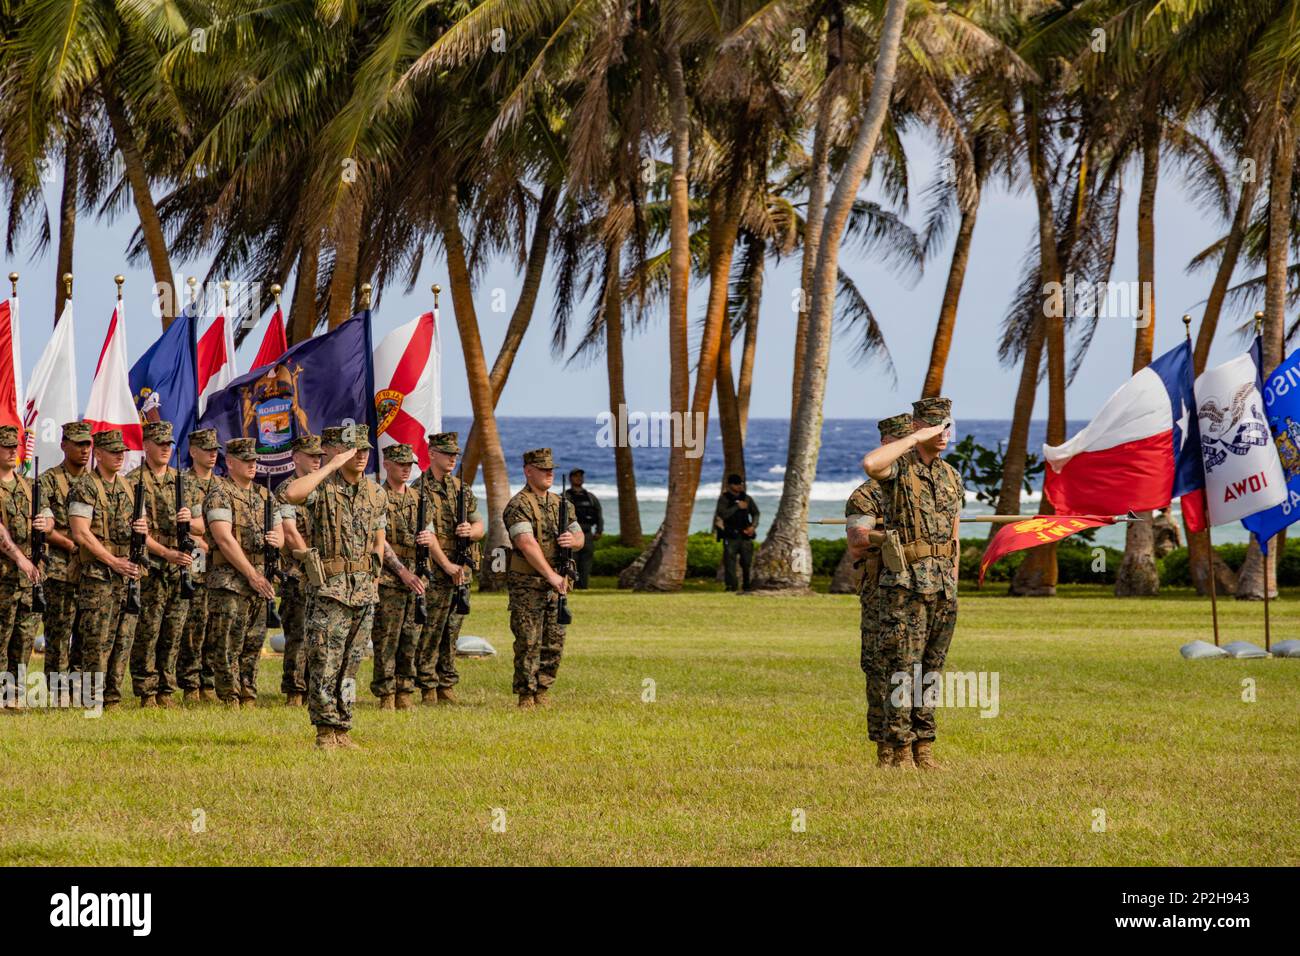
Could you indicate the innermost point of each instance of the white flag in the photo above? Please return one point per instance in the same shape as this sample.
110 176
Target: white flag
1243 473
408 396
52 392
111 405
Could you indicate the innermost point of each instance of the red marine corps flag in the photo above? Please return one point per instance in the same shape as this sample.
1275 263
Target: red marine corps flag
1032 532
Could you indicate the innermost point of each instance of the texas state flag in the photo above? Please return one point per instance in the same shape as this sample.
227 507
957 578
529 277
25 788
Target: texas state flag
1142 450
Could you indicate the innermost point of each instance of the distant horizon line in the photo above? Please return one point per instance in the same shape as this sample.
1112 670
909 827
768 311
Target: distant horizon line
753 418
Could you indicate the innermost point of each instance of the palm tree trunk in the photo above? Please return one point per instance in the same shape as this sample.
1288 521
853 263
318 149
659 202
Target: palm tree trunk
138 176
303 314
1137 575
665 564
1037 574
495 477
347 249
68 201
1257 572
785 559
1013 470
629 514
948 309
520 317
733 442
745 383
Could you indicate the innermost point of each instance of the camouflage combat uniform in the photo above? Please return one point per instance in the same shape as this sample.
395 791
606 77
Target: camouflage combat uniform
865 502
436 657
60 575
539 639
18 623
236 612
396 634
105 633
192 673
163 612
295 599
345 519
918 605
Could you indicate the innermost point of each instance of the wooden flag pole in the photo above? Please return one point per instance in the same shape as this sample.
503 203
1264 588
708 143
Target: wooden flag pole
1268 558
1209 539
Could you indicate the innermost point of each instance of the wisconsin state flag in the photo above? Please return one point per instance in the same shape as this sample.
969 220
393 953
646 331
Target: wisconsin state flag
1030 533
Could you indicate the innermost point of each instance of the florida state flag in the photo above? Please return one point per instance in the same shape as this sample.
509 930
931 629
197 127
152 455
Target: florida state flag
1032 532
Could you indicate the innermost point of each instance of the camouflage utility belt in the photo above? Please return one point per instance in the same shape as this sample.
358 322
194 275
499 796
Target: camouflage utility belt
216 558
333 566
519 564
403 553
915 551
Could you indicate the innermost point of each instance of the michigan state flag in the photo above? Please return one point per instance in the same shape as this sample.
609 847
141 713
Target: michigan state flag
323 381
1282 409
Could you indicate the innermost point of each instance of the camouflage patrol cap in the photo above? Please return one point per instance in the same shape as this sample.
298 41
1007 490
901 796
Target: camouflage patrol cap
446 442
245 449
307 444
539 458
332 436
356 436
932 411
76 431
399 454
204 438
8 436
110 440
895 426
160 433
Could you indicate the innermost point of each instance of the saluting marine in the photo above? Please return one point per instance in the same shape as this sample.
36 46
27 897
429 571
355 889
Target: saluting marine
18 622
193 675
864 517
396 634
532 518
436 672
293 589
347 545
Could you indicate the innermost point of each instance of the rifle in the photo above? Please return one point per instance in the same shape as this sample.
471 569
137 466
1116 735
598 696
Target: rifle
566 568
421 560
38 540
270 556
184 543
463 555
131 604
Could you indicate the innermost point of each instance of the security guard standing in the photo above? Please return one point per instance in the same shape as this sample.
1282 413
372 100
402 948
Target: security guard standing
735 520
293 589
163 612
923 496
237 588
435 665
99 514
348 514
60 573
864 516
193 676
396 634
18 622
532 518
586 511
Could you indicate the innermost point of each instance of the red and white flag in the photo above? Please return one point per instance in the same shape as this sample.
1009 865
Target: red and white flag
216 360
111 404
408 382
274 342
11 379
52 392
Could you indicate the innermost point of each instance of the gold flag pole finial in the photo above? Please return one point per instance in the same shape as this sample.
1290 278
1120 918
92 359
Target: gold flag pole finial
1187 326
225 295
192 282
119 279
436 289
1259 322
13 281
365 295
275 291
67 285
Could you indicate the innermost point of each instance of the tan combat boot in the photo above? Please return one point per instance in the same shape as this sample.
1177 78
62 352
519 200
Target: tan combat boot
325 738
190 697
446 696
248 703
527 702
884 754
903 757
386 702
166 701
232 704
208 695
148 700
923 755
542 698
402 700
343 741
428 697
110 705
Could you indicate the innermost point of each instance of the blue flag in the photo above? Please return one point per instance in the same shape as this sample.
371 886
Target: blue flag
1281 391
164 382
322 381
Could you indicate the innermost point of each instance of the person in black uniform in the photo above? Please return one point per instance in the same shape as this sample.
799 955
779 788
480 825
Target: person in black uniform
586 511
735 521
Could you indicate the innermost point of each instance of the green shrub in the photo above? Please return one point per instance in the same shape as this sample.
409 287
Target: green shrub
703 555
827 554
613 558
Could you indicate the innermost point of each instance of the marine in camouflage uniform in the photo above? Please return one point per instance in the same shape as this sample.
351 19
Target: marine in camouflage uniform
923 496
436 672
532 518
347 522
395 631
193 676
864 514
234 512
163 612
99 512
18 622
60 571
294 597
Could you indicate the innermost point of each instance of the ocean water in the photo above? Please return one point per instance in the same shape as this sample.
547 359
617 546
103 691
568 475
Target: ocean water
578 443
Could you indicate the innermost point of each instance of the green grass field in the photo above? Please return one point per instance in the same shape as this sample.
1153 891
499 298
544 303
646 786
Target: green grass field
757 714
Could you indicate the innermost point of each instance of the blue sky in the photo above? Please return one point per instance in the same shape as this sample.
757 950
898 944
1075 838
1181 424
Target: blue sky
907 312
